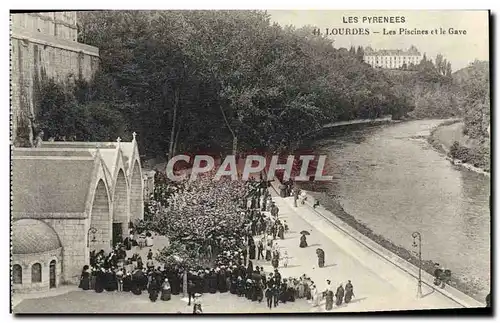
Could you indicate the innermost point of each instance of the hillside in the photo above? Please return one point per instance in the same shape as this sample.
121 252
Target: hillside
473 85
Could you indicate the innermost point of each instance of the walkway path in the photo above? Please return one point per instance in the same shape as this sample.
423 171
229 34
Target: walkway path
377 284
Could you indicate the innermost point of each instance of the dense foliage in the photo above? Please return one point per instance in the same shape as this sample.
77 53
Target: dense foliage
219 80
478 156
232 80
194 214
474 84
71 114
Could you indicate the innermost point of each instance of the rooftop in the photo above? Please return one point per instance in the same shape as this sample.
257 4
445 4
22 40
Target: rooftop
33 236
50 184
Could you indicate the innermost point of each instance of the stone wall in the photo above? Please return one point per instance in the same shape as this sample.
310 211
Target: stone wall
58 24
136 194
148 183
72 233
27 261
44 46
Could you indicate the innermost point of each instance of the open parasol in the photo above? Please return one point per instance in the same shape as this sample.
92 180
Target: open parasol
304 232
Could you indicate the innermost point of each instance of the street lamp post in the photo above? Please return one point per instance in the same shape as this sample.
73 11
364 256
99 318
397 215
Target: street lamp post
93 231
416 235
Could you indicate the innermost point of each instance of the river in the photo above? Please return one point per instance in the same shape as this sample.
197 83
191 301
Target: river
389 178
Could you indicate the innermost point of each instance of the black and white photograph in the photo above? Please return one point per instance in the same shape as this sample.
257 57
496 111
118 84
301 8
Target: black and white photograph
250 161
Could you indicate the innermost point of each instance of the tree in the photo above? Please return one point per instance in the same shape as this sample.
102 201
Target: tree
176 254
352 50
224 80
360 53
195 214
448 69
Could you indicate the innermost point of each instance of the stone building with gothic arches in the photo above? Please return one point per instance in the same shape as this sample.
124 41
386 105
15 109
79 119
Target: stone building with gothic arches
83 195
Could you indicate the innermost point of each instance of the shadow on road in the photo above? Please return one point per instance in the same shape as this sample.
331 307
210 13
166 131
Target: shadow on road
429 293
357 300
330 265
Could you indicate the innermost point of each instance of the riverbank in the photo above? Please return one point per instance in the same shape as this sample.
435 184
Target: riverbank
448 138
468 287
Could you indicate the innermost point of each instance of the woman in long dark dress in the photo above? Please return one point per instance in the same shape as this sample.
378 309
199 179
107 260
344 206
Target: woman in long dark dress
127 283
249 267
303 241
259 292
254 290
321 258
153 290
137 282
85 278
206 281
349 292
291 292
234 285
111 284
281 232
241 287
329 300
248 289
166 291
251 251
99 281
339 295
268 251
275 262
283 293
93 277
175 283
222 284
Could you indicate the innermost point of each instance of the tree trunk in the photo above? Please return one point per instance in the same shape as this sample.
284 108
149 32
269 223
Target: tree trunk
185 283
176 140
235 145
235 138
174 120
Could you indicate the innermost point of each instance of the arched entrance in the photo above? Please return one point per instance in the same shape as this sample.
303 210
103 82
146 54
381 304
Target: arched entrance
120 209
52 274
17 274
99 235
136 194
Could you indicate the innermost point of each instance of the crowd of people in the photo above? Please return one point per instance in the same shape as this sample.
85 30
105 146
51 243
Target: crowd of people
232 270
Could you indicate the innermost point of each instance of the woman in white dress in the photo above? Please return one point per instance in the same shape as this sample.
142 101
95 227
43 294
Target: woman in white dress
314 294
317 297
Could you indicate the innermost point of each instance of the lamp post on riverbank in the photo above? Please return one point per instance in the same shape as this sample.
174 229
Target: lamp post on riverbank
416 235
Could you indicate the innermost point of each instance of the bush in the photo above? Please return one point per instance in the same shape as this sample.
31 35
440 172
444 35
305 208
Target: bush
64 115
454 149
479 156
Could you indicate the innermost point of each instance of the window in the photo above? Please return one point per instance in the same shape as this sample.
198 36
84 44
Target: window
36 273
17 274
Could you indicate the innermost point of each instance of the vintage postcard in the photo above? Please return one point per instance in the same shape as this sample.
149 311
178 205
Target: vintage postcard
209 161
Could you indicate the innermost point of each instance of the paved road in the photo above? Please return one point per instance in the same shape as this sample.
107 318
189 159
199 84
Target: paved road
377 284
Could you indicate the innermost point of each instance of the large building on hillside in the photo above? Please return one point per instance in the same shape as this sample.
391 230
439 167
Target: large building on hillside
68 199
392 58
43 46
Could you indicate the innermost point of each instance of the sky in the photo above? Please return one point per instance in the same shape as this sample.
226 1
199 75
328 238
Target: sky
460 50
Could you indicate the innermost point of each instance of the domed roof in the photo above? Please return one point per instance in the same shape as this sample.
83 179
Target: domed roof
33 236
